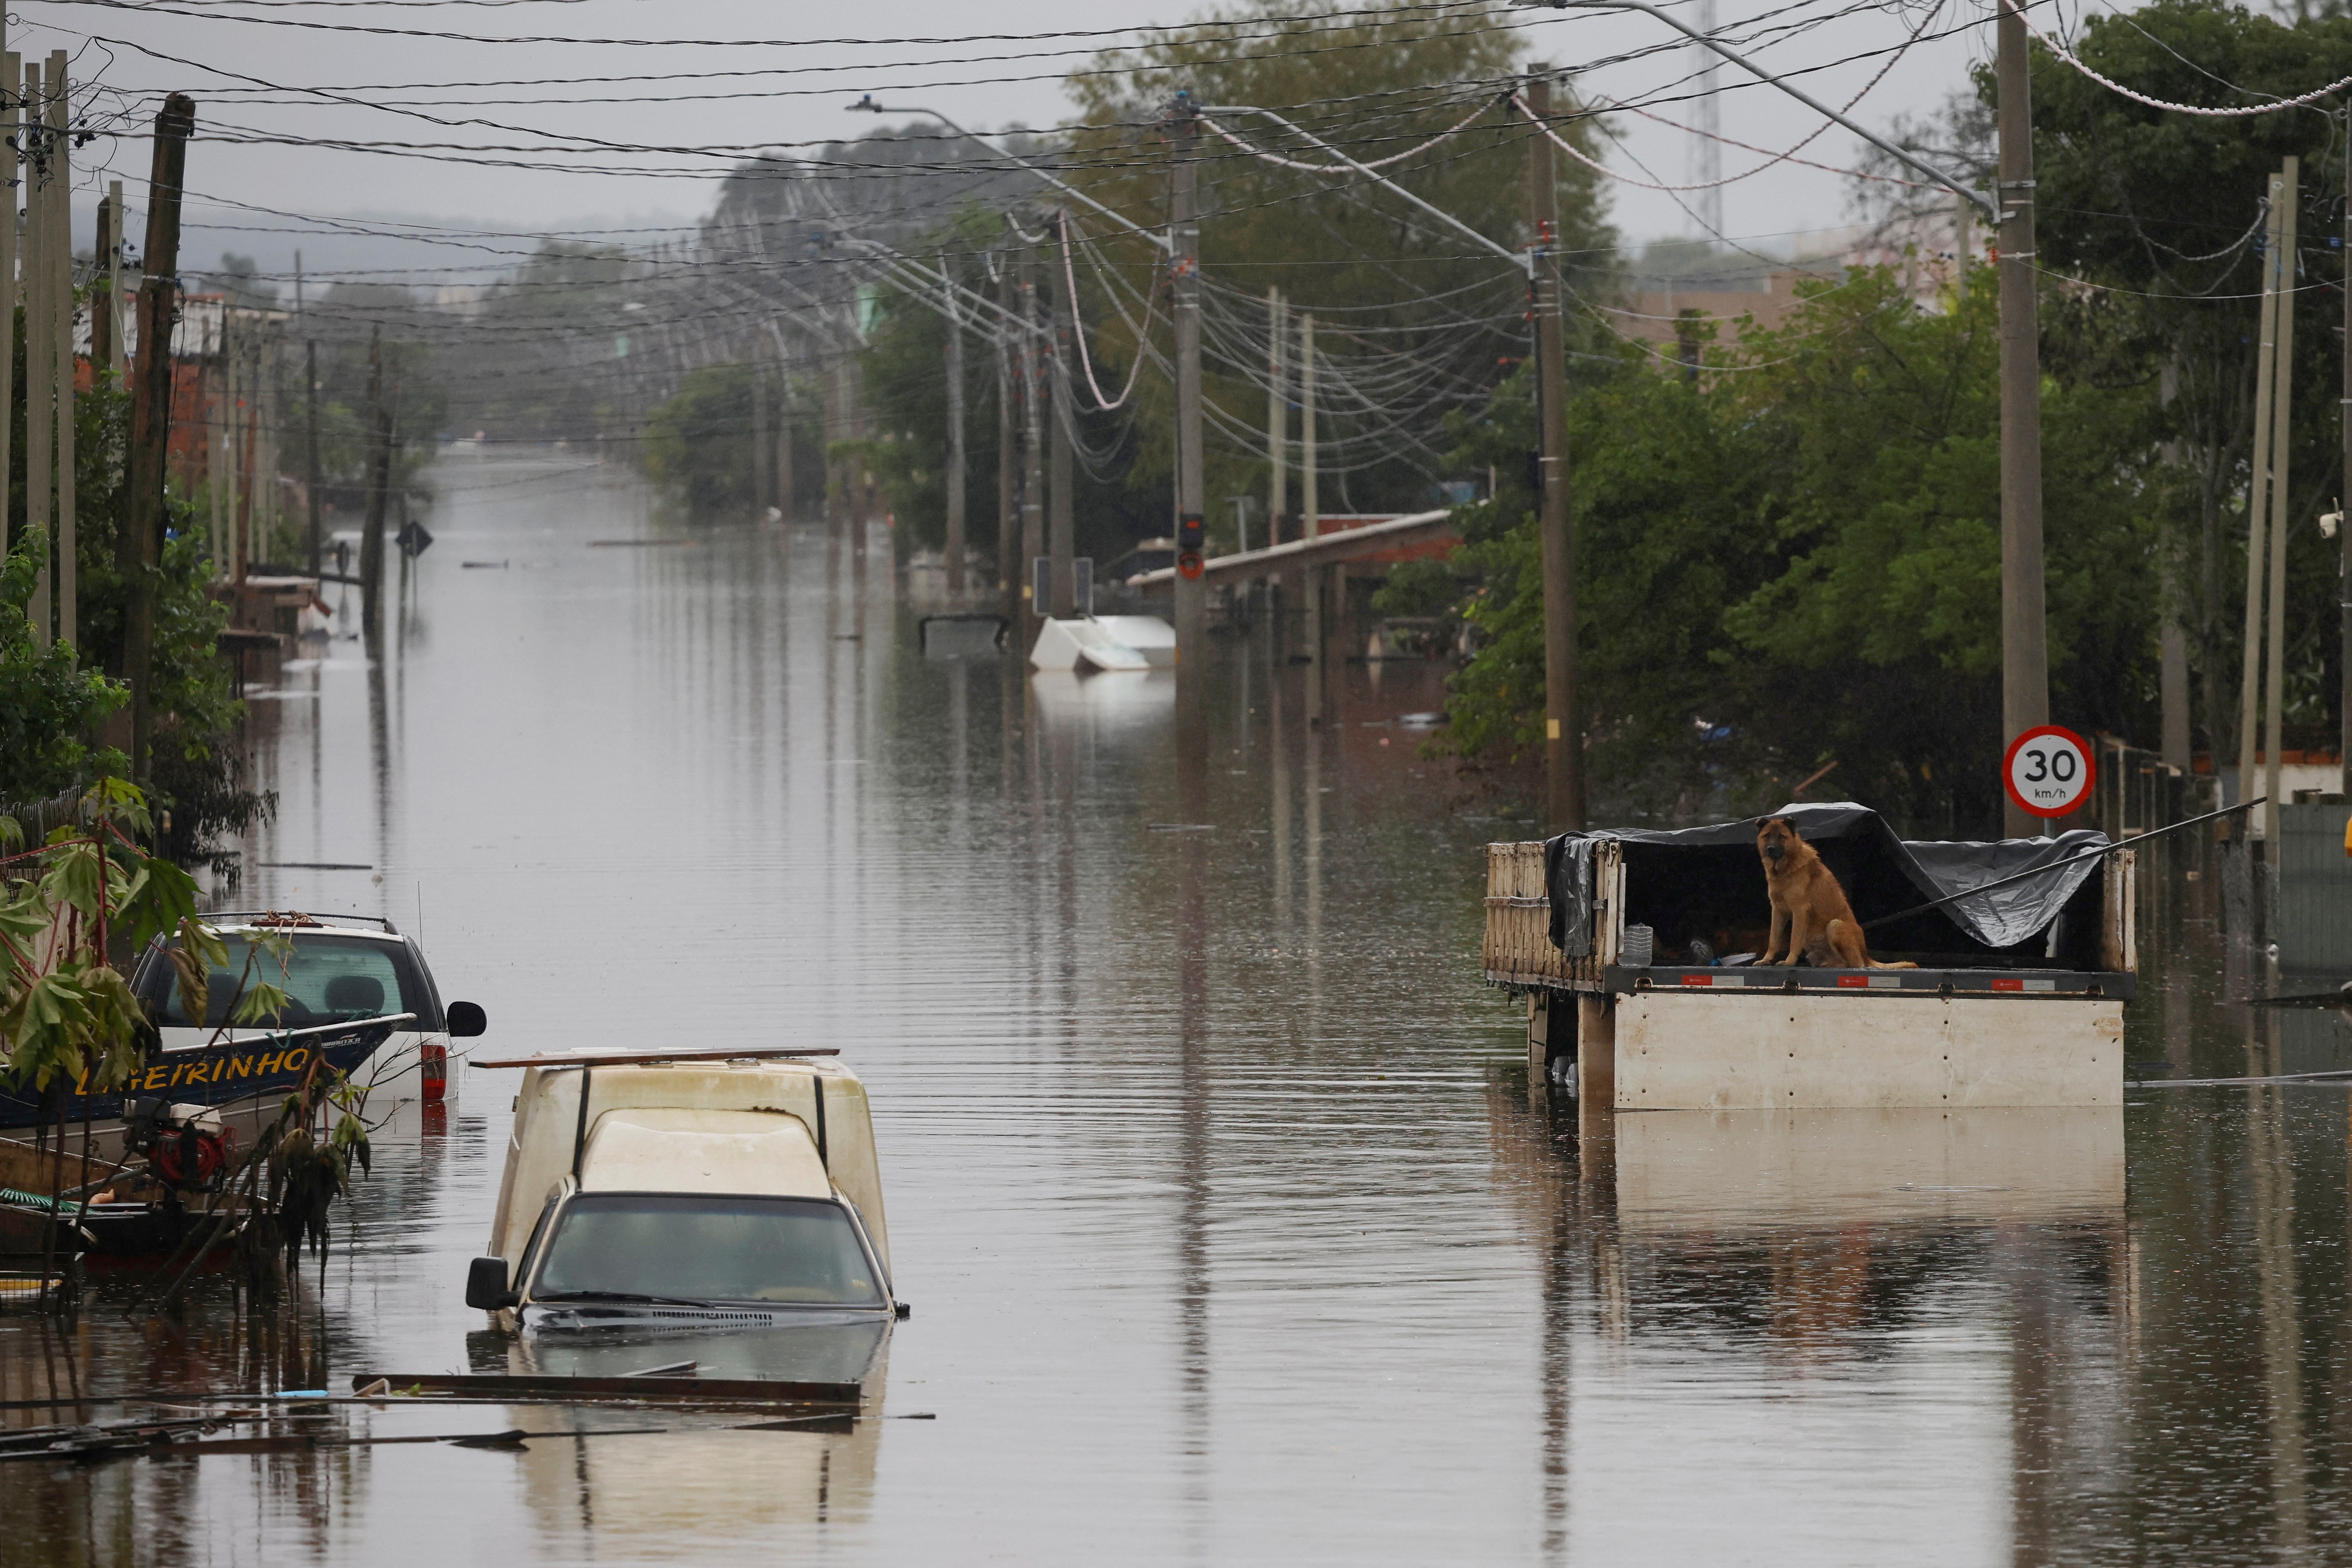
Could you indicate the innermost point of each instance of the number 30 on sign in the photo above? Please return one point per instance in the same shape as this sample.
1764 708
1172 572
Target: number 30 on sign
2049 770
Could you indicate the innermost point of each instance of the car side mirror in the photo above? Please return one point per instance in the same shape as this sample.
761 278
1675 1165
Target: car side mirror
485 1285
466 1019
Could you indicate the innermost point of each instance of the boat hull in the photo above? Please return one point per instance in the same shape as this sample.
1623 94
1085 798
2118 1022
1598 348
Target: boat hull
220 1075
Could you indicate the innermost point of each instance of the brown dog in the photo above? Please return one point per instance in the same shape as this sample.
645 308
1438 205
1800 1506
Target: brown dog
1809 907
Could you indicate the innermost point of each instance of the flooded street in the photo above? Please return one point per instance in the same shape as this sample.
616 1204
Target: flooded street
1234 1231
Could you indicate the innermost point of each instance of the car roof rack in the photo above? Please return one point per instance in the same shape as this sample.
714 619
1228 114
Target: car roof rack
297 918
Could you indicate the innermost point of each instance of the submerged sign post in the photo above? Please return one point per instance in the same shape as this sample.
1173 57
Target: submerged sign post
2049 770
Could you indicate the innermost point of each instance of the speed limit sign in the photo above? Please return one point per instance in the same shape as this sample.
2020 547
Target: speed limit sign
2049 770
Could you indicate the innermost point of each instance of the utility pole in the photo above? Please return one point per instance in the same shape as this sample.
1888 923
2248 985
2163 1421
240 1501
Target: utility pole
2024 629
61 313
150 414
1277 415
786 475
1563 732
956 460
113 263
310 419
2258 492
101 319
758 458
378 489
2342 531
1032 453
1313 633
11 73
1060 525
1192 609
2281 431
1008 453
39 325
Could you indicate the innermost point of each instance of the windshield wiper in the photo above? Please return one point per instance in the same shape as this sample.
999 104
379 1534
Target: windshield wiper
619 1296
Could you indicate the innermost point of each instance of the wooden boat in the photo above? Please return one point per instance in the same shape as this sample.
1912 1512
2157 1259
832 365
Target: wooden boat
129 1214
220 1075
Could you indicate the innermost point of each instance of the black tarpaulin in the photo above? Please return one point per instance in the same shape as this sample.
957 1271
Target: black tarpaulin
1707 882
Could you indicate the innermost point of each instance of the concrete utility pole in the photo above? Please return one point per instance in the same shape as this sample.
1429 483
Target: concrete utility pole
61 314
1033 454
1563 732
1316 632
101 319
1061 521
2342 531
956 459
11 71
2024 627
1277 416
1191 607
41 322
1008 453
112 262
150 414
2258 494
311 419
2281 433
761 469
379 491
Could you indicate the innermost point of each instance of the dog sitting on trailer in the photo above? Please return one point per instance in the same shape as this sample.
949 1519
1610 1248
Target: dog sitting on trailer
1808 909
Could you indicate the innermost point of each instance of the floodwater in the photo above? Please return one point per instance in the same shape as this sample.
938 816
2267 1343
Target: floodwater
1233 1230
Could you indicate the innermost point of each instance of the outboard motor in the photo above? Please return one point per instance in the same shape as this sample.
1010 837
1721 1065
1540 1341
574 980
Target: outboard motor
186 1148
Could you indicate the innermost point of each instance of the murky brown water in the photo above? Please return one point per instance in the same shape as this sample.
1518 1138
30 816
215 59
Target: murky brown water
1232 1232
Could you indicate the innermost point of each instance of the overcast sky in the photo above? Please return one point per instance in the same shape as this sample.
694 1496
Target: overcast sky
127 56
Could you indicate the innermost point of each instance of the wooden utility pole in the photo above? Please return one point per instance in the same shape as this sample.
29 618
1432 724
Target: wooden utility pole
40 322
1032 453
150 416
2024 631
957 461
61 313
2258 494
379 491
2281 435
1191 607
1060 525
1563 731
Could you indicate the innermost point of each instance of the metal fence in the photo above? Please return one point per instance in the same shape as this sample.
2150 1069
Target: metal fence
2315 890
39 818
2138 792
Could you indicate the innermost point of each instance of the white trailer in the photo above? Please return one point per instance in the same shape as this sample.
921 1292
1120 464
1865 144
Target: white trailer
1992 1029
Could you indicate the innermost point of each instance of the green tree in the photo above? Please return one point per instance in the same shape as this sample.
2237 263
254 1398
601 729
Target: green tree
699 441
2166 209
1795 560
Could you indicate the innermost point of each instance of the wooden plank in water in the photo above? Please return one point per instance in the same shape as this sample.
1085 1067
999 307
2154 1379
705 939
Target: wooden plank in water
623 1058
547 1388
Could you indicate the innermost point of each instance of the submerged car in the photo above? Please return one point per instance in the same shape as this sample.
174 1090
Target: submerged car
686 1193
335 969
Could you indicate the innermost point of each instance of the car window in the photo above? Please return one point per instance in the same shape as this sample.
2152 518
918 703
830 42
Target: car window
328 979
706 1247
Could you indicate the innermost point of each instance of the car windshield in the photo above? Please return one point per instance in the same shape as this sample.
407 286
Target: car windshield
327 980
706 1247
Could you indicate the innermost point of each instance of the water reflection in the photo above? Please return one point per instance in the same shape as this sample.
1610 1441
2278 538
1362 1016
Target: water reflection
1234 1227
